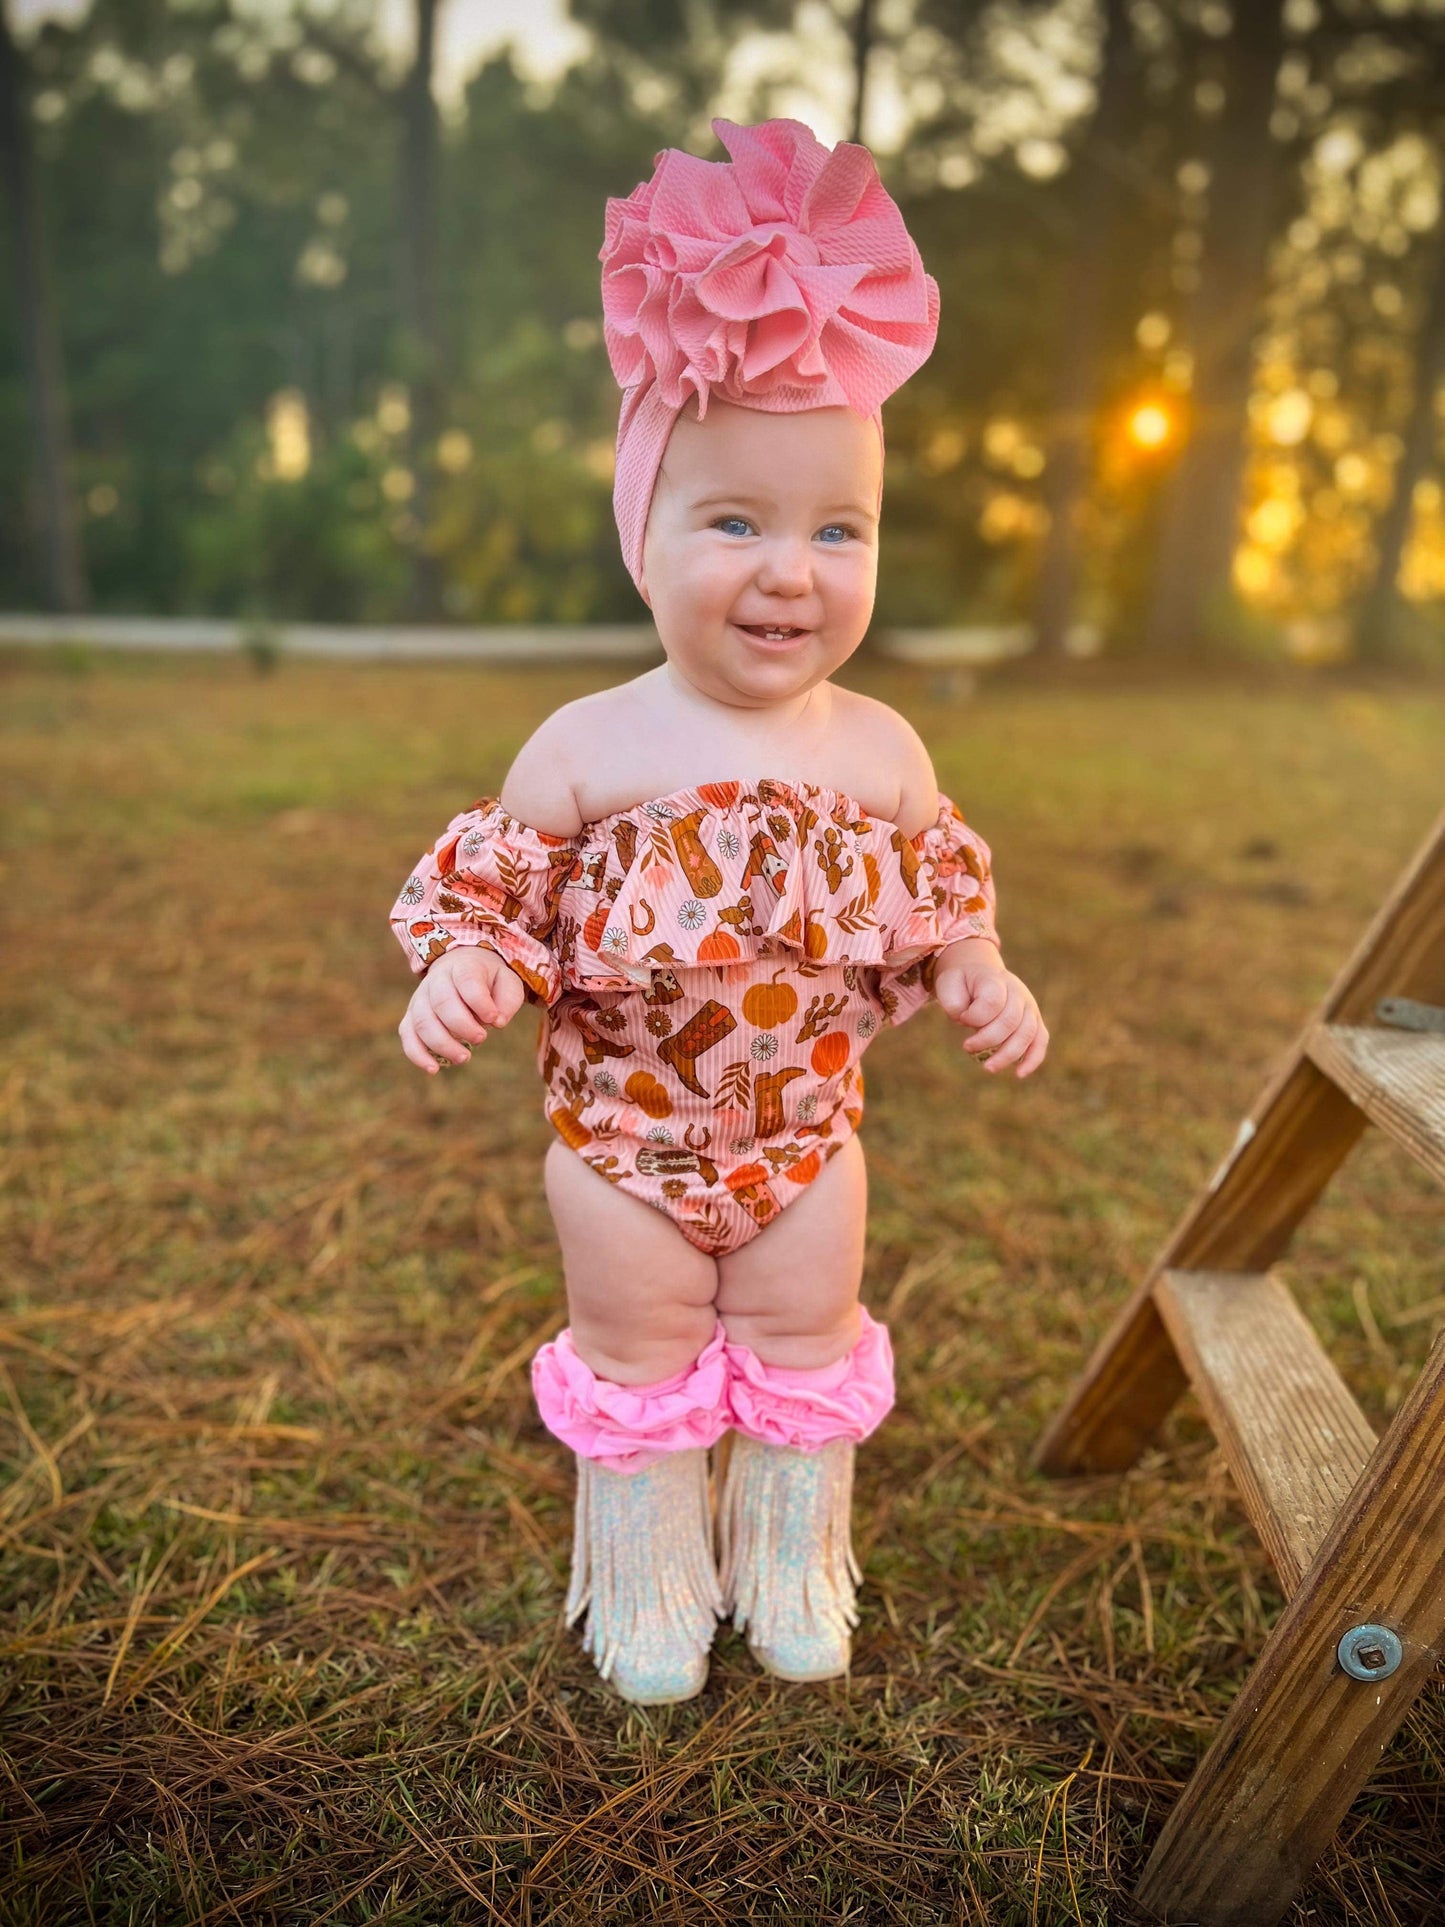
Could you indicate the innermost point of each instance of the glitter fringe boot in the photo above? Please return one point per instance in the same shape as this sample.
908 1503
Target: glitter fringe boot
789 1576
642 1569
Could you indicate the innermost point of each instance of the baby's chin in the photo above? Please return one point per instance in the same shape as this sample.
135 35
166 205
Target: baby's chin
755 678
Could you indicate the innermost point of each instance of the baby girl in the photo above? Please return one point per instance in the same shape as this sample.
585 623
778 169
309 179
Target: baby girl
716 882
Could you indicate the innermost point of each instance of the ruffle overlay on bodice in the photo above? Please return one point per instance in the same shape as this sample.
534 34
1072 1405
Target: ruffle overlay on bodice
720 874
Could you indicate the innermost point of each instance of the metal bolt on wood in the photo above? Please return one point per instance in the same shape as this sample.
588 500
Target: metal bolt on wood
1408 1013
1370 1652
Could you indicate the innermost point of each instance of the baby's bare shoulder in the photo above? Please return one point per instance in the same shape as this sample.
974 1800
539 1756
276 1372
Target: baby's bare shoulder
540 785
894 750
553 767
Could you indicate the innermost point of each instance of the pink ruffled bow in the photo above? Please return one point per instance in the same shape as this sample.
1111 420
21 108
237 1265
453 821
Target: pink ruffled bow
782 279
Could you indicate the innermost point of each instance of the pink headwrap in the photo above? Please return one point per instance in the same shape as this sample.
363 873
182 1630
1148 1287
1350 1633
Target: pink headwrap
783 280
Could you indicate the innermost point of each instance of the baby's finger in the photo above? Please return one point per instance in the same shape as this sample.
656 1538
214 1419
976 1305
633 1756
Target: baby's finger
438 1039
1034 1056
485 1007
953 994
465 1022
411 1044
990 1036
1013 1048
485 988
988 1001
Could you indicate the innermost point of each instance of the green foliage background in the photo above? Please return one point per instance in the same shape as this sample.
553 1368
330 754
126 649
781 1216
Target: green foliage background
195 154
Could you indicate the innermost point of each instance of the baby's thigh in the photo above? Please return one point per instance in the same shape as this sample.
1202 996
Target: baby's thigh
639 1296
791 1293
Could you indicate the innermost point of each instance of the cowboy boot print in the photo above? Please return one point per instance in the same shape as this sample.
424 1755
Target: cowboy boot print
703 875
706 1028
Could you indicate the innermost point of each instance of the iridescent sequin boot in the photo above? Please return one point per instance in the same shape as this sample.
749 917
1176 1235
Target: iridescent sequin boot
784 1546
643 1571
785 1550
642 1543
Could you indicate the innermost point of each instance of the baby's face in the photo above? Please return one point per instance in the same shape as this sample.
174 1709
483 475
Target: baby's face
763 521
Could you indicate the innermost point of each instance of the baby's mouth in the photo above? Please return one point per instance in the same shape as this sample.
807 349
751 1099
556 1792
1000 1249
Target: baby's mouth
776 633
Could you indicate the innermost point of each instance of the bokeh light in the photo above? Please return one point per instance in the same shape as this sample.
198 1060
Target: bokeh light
1149 425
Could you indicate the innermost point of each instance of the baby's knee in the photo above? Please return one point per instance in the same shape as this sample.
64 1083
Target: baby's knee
801 1330
641 1348
639 1330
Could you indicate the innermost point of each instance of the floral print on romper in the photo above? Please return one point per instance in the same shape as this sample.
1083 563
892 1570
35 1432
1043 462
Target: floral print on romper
711 966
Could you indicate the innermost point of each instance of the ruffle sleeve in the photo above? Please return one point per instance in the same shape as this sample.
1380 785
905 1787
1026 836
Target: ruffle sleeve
490 880
956 900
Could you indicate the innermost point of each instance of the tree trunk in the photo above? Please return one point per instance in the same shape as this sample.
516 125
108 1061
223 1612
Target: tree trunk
1097 202
39 338
1200 524
420 144
1376 636
862 47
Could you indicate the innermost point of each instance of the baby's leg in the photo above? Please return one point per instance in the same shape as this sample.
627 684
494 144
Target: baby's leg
810 1376
638 1389
791 1293
639 1296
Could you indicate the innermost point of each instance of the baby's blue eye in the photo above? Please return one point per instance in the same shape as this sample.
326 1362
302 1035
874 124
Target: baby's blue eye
741 522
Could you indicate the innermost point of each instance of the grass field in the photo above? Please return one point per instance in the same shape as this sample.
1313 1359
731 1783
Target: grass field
284 1543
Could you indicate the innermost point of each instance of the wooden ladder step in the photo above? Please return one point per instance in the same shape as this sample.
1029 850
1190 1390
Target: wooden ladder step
1289 1427
1396 1077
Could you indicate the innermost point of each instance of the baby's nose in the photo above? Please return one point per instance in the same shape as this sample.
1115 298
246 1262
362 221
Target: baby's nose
785 568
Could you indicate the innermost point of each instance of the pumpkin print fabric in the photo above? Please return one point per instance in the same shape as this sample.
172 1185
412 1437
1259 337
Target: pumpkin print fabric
711 966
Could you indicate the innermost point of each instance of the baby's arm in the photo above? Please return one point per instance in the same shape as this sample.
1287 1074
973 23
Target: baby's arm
470 988
971 982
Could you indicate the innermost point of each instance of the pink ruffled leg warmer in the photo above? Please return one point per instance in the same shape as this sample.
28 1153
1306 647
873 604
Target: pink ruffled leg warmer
642 1557
789 1576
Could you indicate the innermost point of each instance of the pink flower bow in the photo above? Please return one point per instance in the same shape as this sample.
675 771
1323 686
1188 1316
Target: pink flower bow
783 279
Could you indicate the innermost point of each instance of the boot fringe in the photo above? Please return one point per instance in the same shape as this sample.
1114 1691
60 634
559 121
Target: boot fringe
776 1511
642 1564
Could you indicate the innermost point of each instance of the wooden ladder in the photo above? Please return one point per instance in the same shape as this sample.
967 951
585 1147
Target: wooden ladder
1355 1527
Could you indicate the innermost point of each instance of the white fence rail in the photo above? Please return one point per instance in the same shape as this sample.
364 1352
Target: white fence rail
523 643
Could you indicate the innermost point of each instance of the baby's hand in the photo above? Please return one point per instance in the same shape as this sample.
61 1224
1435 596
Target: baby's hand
466 990
977 992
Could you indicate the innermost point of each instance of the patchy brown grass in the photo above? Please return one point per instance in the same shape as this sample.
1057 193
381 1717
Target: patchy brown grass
284 1543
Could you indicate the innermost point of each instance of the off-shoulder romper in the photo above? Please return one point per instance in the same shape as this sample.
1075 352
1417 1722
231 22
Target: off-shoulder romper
711 966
